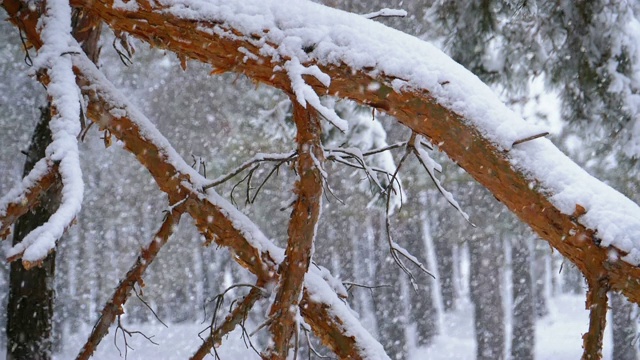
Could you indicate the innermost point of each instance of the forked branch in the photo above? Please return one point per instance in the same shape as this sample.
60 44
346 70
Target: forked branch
302 228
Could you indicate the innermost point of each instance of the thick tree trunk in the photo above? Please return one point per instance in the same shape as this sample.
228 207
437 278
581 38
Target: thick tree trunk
31 292
625 346
523 336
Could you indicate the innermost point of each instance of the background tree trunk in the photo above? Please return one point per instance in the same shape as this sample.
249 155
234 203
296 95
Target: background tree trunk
523 336
387 301
31 292
624 328
422 309
485 281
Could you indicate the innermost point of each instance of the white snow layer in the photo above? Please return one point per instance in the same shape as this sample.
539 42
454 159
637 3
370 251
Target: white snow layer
54 56
307 32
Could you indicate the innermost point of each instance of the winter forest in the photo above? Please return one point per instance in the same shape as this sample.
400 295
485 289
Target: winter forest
417 179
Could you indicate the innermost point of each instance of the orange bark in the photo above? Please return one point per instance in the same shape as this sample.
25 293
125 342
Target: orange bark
302 231
597 306
211 220
29 199
417 110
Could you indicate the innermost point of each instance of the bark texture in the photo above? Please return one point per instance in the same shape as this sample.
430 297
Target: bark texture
416 109
597 305
31 292
302 231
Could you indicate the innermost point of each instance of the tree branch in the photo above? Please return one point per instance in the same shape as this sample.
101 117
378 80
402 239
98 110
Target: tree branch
53 67
217 42
114 307
236 317
302 231
24 196
597 306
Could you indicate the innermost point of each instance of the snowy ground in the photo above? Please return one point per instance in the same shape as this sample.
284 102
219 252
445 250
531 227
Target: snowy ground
558 337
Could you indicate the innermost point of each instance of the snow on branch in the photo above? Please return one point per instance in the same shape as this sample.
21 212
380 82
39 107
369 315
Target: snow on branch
416 146
25 194
305 93
53 62
386 12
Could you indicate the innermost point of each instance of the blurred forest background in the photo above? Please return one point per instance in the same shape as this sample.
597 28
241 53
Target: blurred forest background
573 66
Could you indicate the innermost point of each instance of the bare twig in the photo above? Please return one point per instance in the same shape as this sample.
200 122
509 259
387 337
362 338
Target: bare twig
431 167
236 317
307 331
350 285
146 304
125 334
385 148
529 138
121 38
257 159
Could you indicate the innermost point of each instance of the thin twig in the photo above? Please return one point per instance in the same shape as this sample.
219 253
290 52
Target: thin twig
236 317
257 159
307 331
129 333
529 138
351 285
146 304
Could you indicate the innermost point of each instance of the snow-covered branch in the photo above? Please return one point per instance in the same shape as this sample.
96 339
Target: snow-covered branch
386 12
25 195
425 90
53 63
